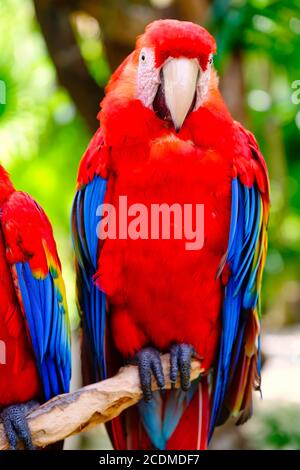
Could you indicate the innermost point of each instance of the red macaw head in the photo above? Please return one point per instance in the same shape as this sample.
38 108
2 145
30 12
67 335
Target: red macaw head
170 71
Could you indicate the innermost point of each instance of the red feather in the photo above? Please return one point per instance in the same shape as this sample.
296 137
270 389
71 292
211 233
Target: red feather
19 380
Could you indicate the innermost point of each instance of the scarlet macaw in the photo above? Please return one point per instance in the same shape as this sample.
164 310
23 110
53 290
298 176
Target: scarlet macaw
35 362
166 136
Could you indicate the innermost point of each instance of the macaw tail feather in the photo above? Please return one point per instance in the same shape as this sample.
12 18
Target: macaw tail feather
172 420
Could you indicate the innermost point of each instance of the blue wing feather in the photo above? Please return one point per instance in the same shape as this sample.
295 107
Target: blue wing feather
238 295
48 325
85 241
39 287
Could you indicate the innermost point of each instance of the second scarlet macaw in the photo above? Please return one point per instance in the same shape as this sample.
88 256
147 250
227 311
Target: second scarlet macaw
166 137
35 359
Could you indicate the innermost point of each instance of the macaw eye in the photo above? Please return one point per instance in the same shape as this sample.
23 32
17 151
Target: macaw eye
210 61
143 57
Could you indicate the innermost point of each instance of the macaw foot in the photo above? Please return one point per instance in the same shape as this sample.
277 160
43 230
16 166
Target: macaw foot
16 426
180 361
149 362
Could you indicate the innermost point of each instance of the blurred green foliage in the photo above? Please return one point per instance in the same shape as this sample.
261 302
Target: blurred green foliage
277 430
42 137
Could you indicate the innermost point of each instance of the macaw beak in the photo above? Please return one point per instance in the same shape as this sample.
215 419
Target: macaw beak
180 85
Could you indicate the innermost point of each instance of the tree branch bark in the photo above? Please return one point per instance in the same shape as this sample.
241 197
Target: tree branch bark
78 411
72 72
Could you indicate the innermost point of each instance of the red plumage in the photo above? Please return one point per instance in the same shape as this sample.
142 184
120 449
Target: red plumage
178 39
19 379
157 177
26 239
158 292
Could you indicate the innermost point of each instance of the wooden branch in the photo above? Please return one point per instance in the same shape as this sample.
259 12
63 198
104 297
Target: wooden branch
75 412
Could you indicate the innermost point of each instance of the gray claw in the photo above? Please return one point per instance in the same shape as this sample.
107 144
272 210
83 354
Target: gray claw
16 426
180 362
149 362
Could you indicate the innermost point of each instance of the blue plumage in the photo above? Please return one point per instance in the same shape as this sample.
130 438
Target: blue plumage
48 329
162 414
239 293
85 241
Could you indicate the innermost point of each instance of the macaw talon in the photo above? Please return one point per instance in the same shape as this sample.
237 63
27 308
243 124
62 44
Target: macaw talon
16 426
149 362
180 361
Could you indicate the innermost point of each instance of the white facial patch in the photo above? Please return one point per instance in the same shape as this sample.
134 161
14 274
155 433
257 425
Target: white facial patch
147 78
203 84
